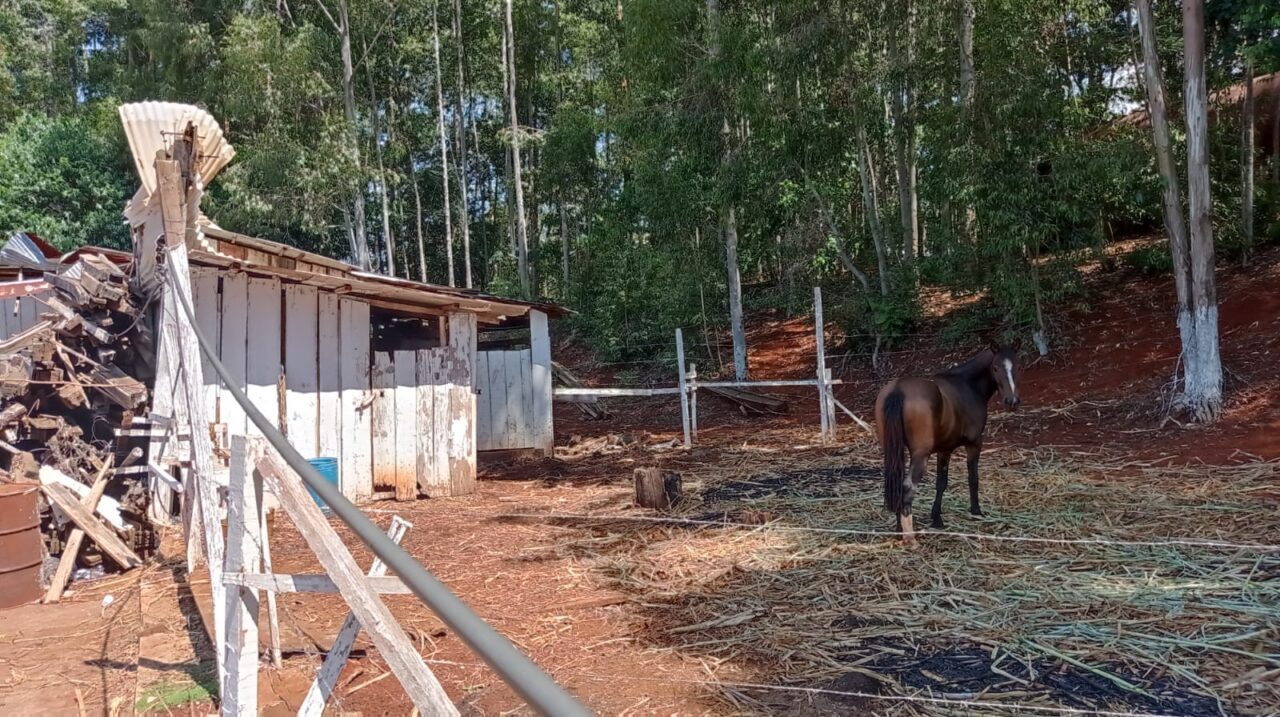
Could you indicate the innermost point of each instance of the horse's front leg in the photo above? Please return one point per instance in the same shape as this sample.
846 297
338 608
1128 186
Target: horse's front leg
972 452
944 463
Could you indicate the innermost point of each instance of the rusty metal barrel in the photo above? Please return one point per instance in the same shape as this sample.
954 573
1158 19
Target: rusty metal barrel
20 546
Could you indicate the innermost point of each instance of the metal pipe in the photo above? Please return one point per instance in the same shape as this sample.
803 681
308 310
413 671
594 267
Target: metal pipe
517 670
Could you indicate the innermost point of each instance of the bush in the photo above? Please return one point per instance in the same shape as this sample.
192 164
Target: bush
1150 260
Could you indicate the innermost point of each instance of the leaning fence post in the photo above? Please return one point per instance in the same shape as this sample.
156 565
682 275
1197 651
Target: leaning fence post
828 403
824 415
684 389
240 663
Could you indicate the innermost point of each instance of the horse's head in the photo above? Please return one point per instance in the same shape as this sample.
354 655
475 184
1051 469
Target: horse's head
1006 371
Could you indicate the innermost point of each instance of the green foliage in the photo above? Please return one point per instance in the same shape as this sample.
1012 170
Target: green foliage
64 179
1151 260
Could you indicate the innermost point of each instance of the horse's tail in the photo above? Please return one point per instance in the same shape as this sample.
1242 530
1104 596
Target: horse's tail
894 444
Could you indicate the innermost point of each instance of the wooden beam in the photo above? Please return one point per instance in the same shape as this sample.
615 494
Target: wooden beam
72 548
310 583
107 540
684 389
544 435
419 683
327 678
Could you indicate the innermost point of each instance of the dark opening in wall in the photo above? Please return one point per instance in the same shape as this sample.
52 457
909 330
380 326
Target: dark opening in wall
396 332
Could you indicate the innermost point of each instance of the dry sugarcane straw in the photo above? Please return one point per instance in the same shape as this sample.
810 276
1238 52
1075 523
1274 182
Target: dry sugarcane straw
1112 615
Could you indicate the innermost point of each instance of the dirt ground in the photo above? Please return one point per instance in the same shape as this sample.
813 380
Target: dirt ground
649 619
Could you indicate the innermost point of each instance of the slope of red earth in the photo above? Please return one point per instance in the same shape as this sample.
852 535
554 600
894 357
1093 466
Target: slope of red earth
1105 383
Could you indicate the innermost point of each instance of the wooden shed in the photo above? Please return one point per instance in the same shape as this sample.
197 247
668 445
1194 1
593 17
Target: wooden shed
382 373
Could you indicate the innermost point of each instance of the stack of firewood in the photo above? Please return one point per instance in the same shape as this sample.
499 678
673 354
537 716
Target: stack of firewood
73 410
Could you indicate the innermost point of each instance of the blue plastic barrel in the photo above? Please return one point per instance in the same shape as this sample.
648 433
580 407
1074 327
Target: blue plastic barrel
327 467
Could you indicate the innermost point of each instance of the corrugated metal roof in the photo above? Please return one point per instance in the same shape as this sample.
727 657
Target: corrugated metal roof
28 251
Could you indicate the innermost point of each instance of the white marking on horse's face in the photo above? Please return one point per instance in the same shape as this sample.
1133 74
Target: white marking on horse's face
1008 372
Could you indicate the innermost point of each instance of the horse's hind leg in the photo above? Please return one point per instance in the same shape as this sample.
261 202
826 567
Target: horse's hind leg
972 453
944 462
906 524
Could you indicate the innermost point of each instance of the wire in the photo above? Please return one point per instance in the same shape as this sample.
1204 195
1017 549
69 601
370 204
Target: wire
1172 542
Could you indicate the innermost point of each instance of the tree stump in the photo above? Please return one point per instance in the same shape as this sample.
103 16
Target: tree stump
657 489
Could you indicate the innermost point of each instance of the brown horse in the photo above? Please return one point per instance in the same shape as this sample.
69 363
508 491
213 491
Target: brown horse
939 415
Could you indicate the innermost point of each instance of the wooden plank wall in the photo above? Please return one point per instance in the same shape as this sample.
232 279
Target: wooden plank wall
356 468
302 368
505 404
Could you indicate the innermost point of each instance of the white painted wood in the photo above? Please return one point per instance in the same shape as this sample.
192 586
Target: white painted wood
517 420
354 377
233 344
525 434
484 411
393 644
427 376
499 433
240 662
327 678
310 583
383 421
684 390
30 308
544 438
819 329
302 368
257 449
263 349
6 315
441 486
329 403
204 288
406 424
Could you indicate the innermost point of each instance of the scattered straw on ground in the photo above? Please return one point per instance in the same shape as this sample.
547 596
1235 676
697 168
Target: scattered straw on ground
1165 629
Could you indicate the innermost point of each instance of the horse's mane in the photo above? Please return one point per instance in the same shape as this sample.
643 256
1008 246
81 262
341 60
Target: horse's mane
973 366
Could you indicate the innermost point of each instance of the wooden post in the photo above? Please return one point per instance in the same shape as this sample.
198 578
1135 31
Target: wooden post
178 206
393 644
684 389
828 403
273 615
540 347
327 678
657 489
693 400
239 678
824 414
460 456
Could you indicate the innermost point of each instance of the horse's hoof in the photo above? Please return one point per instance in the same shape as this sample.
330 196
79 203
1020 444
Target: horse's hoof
937 524
977 514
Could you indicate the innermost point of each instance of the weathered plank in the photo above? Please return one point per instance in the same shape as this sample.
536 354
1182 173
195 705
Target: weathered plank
204 289
310 583
441 485
541 382
499 430
406 424
233 343
108 541
421 686
262 372
383 413
240 662
327 677
329 407
484 410
354 369
428 370
76 539
302 367
513 389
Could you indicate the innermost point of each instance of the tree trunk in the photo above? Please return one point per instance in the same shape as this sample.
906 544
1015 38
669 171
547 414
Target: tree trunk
444 147
967 79
871 206
1202 366
417 204
521 233
388 238
904 141
968 88
1246 160
735 294
657 489
1171 193
460 143
564 247
357 237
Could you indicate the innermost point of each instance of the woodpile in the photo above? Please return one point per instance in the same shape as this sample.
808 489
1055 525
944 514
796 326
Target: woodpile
748 402
73 413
